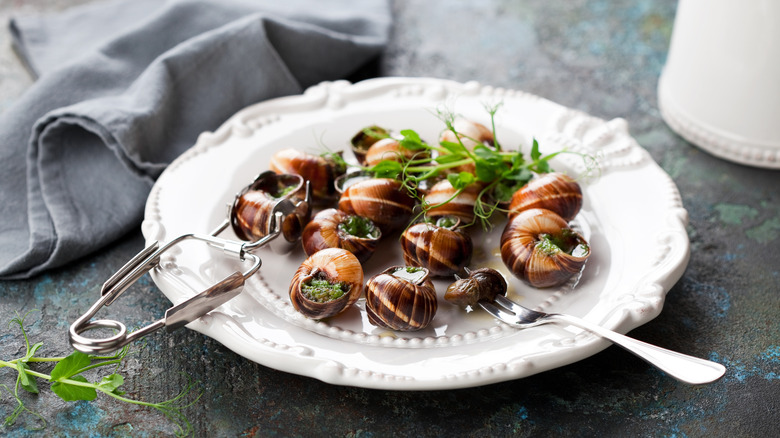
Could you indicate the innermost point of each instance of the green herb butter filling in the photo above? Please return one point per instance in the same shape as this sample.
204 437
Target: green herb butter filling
566 241
320 290
359 226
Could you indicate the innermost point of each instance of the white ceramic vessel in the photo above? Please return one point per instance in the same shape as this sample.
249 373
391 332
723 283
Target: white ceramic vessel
720 87
632 216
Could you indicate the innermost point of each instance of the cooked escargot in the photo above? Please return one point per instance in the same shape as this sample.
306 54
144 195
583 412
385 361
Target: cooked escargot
389 149
320 171
441 246
557 192
482 284
538 246
364 139
250 215
401 298
383 200
471 134
331 228
326 283
440 196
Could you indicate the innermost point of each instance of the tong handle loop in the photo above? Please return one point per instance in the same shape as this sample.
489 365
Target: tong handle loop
185 312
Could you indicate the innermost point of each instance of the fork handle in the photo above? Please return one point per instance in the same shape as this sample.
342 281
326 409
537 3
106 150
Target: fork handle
682 367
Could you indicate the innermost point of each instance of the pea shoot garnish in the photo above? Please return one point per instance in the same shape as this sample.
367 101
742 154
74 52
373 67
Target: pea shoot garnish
68 381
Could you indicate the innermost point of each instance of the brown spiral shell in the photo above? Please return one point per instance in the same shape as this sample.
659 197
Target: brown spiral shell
333 265
443 250
529 254
325 231
462 206
321 172
482 284
552 191
250 214
363 140
471 134
388 149
383 200
401 301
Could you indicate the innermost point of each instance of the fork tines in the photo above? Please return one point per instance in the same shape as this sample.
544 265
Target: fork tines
509 311
489 307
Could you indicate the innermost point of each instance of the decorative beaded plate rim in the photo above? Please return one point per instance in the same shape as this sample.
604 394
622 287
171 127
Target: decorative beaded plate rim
632 216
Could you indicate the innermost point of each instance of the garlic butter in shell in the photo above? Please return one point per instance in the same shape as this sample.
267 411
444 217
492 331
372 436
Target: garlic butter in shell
331 228
538 246
332 271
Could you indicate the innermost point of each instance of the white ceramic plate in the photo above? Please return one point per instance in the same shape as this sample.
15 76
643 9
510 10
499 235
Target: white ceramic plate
632 217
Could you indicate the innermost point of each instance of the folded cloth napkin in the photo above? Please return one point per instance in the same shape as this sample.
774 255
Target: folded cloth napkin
126 86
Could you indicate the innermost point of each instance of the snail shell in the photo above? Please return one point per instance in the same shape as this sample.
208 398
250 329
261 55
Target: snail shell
363 140
389 149
333 266
462 206
330 229
401 298
442 247
482 284
552 191
471 134
382 200
321 172
538 246
250 215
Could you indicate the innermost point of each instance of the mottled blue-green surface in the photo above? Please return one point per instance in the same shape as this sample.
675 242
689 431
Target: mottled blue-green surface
602 57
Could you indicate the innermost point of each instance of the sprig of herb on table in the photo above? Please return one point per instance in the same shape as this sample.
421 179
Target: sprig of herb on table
67 381
500 172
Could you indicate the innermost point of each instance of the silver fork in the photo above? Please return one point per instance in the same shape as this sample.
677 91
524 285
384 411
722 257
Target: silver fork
682 367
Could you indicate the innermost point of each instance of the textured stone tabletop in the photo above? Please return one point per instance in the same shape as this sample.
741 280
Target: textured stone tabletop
602 57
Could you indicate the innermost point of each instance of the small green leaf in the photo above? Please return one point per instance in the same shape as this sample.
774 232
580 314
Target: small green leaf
455 148
460 180
69 392
542 167
28 383
448 158
503 192
111 382
486 153
70 365
520 175
411 140
535 154
486 171
387 169
32 350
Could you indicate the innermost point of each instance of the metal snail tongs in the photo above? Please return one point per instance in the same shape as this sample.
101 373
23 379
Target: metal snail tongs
269 217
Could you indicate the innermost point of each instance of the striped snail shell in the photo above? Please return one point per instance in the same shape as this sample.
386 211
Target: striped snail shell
390 149
320 171
482 284
555 191
326 283
401 298
363 140
538 246
331 228
382 200
471 134
442 246
252 209
461 206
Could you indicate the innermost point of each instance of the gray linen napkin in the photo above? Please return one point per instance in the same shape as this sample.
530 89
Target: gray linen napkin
126 86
